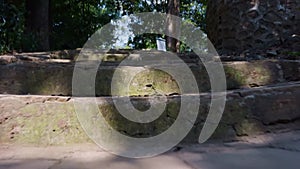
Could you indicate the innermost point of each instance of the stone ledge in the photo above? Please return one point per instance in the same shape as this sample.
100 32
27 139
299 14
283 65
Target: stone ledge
56 78
51 120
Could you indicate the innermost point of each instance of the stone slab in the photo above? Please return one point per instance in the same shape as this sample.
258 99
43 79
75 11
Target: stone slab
262 158
54 78
52 120
26 164
193 156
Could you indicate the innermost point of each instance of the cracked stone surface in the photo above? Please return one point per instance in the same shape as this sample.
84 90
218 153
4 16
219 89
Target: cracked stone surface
269 151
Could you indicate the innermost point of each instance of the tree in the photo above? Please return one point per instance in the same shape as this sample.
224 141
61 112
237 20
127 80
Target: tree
11 25
37 22
29 25
74 21
173 27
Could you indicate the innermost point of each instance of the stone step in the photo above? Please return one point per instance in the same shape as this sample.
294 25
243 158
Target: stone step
52 120
55 78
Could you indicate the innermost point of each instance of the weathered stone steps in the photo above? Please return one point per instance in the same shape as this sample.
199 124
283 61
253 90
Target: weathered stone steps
51 120
53 78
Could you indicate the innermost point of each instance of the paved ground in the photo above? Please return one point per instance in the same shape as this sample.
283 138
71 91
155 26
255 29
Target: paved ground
263 152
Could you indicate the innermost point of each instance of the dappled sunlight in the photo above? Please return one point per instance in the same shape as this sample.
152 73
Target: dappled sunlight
151 84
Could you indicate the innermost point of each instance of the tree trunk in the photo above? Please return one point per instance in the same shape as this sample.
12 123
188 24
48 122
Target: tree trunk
37 22
172 26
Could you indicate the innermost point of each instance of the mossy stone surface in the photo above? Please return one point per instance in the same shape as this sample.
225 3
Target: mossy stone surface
56 78
43 124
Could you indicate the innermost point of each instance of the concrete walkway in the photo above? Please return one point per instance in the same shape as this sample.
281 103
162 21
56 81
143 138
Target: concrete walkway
272 151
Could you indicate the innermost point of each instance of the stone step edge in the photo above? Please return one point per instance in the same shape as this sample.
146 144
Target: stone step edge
51 120
56 79
206 94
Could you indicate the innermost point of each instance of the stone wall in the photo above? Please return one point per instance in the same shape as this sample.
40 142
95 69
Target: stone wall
249 27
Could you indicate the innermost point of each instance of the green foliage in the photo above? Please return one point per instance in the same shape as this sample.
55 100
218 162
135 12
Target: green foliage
194 12
191 11
293 53
144 41
11 27
130 6
29 42
72 22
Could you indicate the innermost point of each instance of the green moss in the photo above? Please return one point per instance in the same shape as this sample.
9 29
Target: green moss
163 83
261 74
152 82
234 77
223 131
173 109
234 112
292 53
45 82
249 127
123 125
48 124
